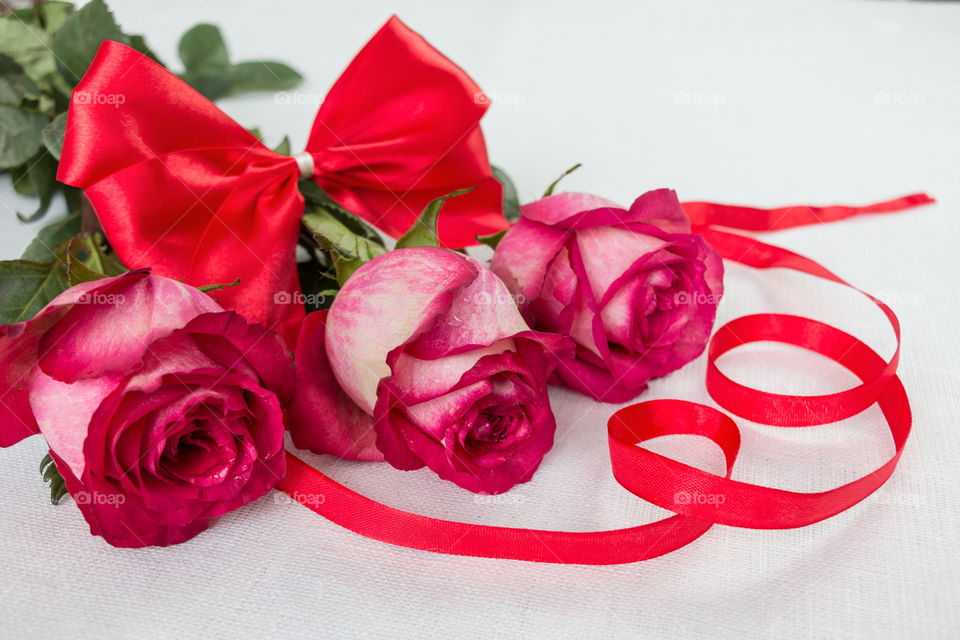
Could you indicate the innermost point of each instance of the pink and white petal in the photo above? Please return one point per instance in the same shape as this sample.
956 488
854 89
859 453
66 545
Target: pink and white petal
385 302
555 209
434 416
109 327
323 418
619 313
480 314
524 254
19 352
608 253
422 380
63 411
660 208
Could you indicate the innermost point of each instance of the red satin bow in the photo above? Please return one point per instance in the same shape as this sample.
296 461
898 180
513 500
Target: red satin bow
693 495
180 187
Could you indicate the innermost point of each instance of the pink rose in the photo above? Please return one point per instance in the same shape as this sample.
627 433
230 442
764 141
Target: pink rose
634 288
161 410
424 359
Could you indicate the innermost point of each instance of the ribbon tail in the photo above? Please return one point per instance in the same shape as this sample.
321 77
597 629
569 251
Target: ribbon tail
753 219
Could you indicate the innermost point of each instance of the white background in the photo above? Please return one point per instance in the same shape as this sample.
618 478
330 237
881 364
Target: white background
765 103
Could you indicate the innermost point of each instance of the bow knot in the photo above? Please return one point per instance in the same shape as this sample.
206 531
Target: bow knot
305 163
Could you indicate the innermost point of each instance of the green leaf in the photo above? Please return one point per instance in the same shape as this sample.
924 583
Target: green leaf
137 42
347 249
42 174
493 239
54 14
423 232
207 67
26 14
91 248
29 45
314 194
77 271
43 247
202 49
284 147
76 42
15 85
317 286
74 198
553 184
345 266
213 85
20 135
326 227
26 287
22 184
511 202
53 133
263 76
51 476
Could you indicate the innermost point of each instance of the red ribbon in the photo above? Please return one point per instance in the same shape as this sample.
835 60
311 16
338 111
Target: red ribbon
180 187
661 480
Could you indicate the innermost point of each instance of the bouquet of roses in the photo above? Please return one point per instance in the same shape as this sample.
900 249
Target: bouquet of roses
226 293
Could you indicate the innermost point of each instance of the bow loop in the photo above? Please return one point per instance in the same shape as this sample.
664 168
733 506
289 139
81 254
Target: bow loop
399 127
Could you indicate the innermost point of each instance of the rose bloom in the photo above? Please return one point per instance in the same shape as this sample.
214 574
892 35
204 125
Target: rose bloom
424 360
633 287
161 410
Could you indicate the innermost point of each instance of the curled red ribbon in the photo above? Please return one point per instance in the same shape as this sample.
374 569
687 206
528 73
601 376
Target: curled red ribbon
183 189
657 478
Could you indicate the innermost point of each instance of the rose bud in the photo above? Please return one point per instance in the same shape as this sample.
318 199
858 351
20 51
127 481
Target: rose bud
634 288
161 410
424 360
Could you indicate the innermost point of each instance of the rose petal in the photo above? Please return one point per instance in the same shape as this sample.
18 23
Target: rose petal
531 247
322 417
660 208
410 287
561 206
480 314
109 327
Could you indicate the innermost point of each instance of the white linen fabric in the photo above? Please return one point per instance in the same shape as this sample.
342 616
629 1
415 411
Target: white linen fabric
760 103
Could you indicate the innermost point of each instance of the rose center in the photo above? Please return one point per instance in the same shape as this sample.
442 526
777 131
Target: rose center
666 295
203 453
489 428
